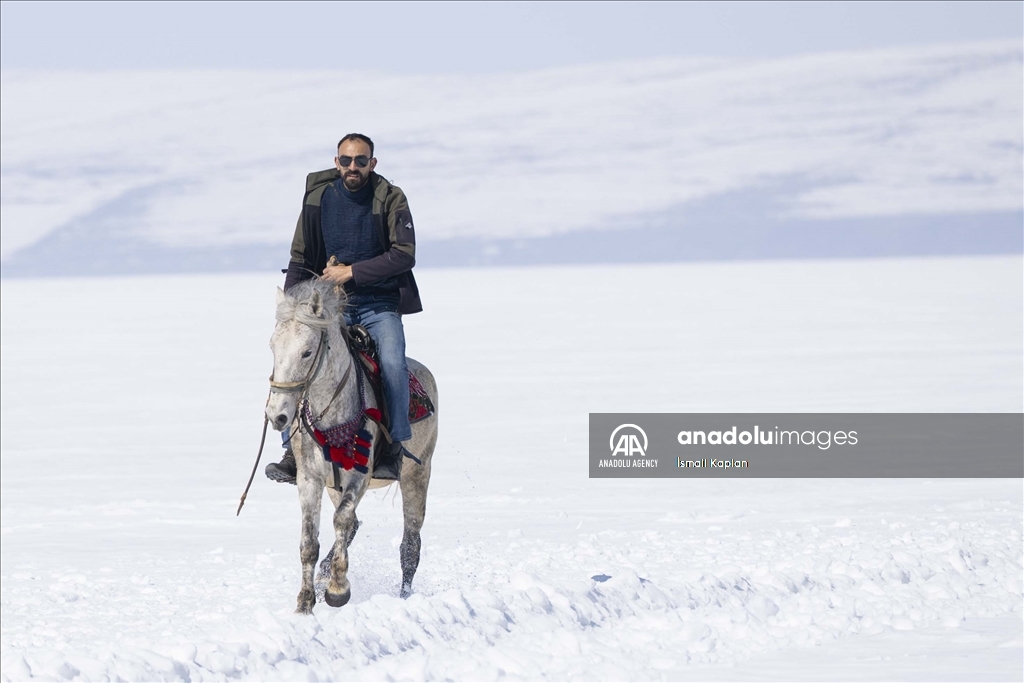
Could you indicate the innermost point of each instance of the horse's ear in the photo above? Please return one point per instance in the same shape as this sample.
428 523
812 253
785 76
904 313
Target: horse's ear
280 296
316 304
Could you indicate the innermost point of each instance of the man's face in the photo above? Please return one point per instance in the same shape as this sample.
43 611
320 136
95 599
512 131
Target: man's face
355 152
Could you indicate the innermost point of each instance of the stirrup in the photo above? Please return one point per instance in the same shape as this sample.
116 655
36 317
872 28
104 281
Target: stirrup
389 469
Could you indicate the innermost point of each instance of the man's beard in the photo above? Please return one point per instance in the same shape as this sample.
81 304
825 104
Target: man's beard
359 182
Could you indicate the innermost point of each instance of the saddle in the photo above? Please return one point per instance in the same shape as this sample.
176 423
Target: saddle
420 405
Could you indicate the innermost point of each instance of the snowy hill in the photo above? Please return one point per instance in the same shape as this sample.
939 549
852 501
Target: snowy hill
910 150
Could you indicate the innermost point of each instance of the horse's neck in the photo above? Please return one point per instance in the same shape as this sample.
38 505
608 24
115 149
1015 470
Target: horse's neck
321 392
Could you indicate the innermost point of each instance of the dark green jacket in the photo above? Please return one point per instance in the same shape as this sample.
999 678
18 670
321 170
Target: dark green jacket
394 228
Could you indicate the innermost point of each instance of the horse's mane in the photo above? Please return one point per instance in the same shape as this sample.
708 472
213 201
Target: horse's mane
312 302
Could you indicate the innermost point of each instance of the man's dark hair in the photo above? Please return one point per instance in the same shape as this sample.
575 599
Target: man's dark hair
357 136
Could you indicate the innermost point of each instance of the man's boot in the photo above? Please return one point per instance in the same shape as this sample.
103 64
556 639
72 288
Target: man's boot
390 466
285 471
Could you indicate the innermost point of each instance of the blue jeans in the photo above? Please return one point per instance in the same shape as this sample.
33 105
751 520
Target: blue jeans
385 327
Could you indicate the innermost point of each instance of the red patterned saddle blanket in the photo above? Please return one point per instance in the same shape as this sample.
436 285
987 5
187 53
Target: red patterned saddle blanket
420 405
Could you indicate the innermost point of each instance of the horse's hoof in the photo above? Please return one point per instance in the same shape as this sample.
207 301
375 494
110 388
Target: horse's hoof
405 592
337 599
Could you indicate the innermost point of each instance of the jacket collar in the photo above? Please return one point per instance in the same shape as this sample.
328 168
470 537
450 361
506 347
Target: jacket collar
380 186
315 183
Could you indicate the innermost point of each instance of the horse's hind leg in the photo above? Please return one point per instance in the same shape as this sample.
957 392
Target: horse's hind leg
414 508
310 493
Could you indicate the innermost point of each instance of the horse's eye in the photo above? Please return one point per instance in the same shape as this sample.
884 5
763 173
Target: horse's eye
307 354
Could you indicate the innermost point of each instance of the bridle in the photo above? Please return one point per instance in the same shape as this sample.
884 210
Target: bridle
302 386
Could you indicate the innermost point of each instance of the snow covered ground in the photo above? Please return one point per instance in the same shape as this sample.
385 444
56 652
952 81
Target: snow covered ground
131 413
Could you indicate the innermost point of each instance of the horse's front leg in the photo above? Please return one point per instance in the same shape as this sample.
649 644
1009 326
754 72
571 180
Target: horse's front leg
339 591
310 496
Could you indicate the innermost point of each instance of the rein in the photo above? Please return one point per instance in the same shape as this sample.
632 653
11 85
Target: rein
302 387
337 392
263 439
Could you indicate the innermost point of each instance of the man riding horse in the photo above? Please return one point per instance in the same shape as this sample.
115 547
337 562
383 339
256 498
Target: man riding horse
355 230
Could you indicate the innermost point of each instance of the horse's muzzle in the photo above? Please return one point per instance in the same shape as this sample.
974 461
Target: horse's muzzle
280 410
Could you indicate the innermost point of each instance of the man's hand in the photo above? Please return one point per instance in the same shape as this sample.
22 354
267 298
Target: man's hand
338 274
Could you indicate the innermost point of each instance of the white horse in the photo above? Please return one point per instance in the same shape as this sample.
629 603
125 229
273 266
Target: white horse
315 374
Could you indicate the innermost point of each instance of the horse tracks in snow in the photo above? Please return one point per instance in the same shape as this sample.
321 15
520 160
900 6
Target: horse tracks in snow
611 605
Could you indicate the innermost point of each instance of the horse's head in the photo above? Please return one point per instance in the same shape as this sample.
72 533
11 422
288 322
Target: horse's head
306 316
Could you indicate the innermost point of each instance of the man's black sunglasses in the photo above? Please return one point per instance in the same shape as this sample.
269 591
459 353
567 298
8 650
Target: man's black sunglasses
361 161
